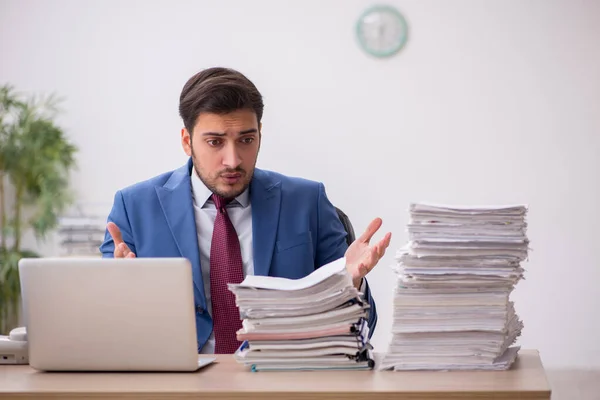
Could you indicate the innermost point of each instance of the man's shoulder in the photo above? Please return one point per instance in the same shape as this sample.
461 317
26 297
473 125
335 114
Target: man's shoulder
150 184
286 182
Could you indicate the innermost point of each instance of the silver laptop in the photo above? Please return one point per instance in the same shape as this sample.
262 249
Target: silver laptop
93 314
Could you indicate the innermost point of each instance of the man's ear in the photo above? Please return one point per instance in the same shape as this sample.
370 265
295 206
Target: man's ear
186 142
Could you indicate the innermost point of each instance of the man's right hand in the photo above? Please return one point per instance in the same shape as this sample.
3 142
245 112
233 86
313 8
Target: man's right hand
121 249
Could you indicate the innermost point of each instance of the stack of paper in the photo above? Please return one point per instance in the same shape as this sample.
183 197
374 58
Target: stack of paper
317 322
451 303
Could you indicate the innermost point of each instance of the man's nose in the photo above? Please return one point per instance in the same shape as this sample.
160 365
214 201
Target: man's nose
231 158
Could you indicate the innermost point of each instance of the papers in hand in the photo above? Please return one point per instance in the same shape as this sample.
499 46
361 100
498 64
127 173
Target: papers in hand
451 302
317 322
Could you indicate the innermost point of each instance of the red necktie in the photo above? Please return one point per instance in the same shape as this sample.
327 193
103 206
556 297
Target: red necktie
225 267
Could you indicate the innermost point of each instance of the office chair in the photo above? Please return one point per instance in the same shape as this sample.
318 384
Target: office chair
347 226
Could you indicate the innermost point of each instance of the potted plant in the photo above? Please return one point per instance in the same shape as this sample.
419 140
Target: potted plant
35 161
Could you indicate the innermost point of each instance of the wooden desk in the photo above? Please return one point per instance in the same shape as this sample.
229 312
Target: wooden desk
228 380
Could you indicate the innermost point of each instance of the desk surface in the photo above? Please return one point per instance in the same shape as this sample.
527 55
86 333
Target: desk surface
227 379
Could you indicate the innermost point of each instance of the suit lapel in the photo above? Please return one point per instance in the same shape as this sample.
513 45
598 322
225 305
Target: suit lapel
265 197
175 198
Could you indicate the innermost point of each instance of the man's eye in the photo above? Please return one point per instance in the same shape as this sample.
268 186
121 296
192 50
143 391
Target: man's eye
248 140
213 142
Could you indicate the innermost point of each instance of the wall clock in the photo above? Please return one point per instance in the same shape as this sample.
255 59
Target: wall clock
381 31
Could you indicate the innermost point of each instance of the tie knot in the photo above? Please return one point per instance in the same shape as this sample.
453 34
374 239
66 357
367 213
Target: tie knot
220 202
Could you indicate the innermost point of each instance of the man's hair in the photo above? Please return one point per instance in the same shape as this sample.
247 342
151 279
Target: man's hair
220 91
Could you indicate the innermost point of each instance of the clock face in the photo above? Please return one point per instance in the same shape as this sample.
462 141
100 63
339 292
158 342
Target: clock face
381 31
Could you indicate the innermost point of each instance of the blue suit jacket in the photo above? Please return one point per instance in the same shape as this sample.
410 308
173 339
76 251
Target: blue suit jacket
295 229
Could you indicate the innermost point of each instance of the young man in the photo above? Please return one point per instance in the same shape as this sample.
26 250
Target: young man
229 218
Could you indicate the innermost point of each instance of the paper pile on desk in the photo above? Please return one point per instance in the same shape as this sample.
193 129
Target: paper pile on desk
317 322
451 303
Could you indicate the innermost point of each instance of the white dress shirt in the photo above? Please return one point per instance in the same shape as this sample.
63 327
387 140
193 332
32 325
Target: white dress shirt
205 212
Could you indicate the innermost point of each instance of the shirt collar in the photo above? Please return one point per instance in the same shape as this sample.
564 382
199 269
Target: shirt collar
201 194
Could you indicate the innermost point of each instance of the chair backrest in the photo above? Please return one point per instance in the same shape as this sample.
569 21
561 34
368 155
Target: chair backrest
347 226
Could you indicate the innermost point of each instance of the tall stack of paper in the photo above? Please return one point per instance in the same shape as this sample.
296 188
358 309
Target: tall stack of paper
317 322
451 302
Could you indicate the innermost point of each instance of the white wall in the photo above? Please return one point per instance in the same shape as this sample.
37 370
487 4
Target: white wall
490 102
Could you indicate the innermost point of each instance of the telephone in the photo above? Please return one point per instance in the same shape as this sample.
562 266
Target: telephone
13 348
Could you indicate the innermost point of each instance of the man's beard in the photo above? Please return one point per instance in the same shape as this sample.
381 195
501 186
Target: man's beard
212 186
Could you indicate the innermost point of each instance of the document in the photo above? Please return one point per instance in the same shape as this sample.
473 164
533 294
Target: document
333 271
318 322
452 307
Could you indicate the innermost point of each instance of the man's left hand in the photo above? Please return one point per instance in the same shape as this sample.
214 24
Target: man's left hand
361 257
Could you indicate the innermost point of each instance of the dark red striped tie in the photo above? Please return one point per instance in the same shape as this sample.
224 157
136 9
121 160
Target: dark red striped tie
225 267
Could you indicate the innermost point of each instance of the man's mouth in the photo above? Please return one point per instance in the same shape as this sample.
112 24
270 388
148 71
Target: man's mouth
231 178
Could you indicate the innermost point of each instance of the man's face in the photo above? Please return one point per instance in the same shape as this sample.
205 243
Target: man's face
224 149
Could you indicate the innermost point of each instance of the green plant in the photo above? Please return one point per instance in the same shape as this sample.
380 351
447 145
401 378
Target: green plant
35 161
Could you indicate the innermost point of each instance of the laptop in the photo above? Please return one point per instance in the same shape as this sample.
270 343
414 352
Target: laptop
95 314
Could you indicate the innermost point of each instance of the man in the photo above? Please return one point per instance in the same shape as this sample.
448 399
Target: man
229 218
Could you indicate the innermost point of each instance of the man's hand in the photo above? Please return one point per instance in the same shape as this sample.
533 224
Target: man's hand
121 249
361 258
